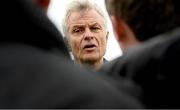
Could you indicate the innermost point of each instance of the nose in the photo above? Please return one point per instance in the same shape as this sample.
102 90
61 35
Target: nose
88 35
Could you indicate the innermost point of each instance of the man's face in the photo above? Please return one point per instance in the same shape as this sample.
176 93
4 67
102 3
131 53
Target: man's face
87 35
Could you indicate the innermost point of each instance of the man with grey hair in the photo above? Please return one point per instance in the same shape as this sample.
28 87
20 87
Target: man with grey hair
85 27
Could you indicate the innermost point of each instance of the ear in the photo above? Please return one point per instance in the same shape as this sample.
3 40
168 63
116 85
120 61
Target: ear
113 20
43 3
118 26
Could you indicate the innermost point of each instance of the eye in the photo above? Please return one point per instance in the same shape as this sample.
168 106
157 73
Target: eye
95 28
77 30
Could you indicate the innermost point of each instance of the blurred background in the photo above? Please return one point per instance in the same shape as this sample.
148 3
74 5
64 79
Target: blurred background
56 12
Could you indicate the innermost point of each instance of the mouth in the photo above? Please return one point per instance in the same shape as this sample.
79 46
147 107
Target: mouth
89 46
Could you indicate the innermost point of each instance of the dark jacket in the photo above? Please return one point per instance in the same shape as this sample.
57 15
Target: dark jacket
154 67
36 70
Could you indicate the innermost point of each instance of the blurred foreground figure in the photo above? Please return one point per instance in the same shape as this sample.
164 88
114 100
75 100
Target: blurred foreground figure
36 70
154 65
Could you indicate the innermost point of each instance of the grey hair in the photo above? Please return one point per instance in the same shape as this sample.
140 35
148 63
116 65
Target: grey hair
81 5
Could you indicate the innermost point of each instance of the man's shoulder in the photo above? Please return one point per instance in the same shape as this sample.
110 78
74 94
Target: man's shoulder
154 48
108 66
149 52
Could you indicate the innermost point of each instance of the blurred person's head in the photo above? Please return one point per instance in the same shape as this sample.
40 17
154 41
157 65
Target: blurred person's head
42 3
136 21
85 27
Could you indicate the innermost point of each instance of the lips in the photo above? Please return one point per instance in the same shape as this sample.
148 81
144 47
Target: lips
89 46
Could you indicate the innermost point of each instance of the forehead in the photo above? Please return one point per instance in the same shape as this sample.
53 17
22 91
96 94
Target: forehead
84 17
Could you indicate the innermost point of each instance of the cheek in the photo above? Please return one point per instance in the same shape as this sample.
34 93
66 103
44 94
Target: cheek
103 45
75 45
103 42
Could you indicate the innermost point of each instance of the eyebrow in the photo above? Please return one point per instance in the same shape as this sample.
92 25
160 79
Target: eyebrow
77 26
95 24
82 25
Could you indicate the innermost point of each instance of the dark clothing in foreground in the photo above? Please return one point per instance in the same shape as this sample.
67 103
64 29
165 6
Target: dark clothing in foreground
154 67
36 70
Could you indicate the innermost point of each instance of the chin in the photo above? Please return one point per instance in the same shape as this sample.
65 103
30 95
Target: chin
90 59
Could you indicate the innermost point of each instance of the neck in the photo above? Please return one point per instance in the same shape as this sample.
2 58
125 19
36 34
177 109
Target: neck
93 65
128 40
129 43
